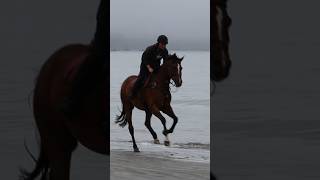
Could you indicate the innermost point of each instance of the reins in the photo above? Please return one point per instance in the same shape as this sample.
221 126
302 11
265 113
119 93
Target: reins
174 85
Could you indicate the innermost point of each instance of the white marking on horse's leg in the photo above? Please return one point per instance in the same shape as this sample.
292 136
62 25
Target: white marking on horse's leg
167 138
167 142
156 141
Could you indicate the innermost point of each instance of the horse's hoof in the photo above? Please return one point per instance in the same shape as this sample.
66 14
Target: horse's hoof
167 143
136 150
156 141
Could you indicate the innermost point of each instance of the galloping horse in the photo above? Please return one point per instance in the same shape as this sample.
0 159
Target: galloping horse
152 99
58 135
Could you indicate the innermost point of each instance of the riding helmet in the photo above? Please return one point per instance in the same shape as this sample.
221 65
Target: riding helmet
162 39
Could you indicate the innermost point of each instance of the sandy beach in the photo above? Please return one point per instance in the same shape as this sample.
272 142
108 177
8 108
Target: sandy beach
125 165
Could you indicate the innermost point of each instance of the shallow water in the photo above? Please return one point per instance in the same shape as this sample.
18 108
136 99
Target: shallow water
191 138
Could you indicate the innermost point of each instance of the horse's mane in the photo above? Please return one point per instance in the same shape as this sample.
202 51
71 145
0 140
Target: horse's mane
222 26
172 57
221 23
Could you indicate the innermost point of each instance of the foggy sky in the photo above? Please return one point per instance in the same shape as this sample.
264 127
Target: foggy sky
136 24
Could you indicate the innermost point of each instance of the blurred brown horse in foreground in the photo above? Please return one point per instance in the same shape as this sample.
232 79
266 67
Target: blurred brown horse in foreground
220 59
58 135
152 99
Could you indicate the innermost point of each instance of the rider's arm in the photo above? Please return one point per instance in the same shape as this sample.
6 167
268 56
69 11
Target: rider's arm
149 68
165 54
146 57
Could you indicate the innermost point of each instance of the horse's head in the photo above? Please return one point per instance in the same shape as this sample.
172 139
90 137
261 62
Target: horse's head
173 65
221 63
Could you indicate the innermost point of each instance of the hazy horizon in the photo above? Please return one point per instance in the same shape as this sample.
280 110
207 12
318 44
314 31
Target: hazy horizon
134 25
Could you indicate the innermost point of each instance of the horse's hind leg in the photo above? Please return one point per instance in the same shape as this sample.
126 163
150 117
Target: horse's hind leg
60 147
131 130
60 166
148 125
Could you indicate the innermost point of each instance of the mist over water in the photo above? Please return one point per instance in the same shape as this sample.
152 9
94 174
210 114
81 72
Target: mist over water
136 24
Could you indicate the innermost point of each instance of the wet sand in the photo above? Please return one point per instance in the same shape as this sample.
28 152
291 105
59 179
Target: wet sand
137 166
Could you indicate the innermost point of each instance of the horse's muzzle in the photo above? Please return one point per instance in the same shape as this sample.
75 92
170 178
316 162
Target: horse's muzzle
179 84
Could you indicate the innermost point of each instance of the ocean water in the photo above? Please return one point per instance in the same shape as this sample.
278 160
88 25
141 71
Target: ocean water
191 139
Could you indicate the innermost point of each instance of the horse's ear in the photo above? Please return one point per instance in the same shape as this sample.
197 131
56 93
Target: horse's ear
180 59
174 55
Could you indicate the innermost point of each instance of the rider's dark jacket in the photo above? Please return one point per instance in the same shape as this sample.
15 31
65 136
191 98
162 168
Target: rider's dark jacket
152 56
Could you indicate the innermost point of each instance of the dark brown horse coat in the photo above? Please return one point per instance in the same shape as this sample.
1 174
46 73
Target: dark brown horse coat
58 135
220 24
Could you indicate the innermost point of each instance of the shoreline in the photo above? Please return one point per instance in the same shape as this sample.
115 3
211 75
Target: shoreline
125 165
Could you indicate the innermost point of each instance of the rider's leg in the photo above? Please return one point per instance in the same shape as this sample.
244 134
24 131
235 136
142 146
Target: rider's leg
139 83
136 87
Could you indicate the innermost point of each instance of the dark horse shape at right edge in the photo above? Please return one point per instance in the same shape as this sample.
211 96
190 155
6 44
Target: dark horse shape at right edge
152 99
220 58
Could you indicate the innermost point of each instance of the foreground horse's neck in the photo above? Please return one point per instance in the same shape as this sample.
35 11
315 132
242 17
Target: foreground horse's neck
163 78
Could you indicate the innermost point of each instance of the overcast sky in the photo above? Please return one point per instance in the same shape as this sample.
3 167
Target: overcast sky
185 22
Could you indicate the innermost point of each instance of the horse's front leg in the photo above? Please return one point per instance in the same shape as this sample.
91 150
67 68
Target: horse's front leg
165 131
148 125
168 111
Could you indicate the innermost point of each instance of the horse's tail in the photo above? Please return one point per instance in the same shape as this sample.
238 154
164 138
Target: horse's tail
122 118
42 167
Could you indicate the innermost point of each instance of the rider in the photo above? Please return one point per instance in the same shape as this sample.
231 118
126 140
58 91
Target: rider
92 67
150 62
